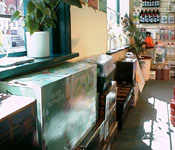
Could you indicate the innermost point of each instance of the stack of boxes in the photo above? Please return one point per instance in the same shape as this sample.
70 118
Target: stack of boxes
126 79
17 123
66 102
103 134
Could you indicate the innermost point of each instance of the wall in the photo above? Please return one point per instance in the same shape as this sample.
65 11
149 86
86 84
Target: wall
88 31
119 55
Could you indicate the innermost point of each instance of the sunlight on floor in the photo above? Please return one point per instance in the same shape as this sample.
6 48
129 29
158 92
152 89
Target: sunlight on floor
159 133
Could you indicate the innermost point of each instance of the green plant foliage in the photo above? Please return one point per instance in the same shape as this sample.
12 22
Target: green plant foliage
41 14
137 45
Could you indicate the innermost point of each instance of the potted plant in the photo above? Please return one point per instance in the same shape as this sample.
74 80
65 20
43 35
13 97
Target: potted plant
137 45
40 17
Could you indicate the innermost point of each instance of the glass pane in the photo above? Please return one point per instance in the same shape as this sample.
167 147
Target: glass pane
11 33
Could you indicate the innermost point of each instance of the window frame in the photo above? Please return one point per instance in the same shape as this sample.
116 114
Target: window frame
60 49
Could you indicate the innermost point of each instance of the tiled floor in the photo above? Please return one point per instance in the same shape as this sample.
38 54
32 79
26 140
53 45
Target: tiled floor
148 126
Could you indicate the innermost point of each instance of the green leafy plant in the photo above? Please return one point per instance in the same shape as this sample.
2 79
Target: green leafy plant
41 14
137 39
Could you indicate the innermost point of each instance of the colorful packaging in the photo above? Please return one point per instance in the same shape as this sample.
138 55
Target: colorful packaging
66 102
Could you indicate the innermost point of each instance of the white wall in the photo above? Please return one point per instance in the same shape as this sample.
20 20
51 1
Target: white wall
124 7
88 31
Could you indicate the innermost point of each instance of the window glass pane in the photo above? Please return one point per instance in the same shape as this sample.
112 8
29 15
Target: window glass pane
11 33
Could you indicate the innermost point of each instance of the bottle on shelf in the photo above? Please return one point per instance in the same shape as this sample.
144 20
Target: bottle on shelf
158 33
143 3
150 3
150 19
153 3
166 34
154 16
168 50
134 3
137 16
146 3
172 34
134 15
169 33
172 50
146 16
158 16
142 16
158 3
162 33
137 3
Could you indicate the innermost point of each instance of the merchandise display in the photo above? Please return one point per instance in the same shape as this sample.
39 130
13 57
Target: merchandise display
109 123
105 64
124 75
172 109
124 99
106 101
65 113
18 123
93 139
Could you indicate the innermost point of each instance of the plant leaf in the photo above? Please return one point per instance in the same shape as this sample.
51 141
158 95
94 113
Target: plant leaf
73 2
54 16
30 7
39 4
16 15
32 25
39 15
48 12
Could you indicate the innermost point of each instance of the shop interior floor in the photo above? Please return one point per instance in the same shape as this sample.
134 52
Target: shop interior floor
148 126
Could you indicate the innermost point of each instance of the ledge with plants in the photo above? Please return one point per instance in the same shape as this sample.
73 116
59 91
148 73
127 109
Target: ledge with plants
40 18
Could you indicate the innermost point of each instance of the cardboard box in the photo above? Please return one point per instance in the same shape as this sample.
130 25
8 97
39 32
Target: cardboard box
112 136
135 95
103 83
66 102
110 122
17 123
105 64
93 139
107 100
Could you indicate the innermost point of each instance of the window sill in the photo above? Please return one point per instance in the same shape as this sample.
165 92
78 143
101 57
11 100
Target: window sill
38 64
110 52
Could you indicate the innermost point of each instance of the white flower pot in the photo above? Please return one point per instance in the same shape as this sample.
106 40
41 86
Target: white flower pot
38 44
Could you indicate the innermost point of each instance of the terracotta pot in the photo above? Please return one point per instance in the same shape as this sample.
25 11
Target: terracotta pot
145 62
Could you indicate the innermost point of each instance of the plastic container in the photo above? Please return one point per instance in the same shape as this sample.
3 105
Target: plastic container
166 73
172 107
159 72
152 75
172 111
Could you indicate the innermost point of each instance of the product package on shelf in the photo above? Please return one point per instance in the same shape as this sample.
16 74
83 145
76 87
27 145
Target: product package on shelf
124 99
66 102
123 75
17 123
93 139
105 64
135 95
104 82
108 144
109 123
107 100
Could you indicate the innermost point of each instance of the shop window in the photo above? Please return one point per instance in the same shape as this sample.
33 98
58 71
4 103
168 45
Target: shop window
11 34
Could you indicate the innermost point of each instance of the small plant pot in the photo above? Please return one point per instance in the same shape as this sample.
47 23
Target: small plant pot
38 44
145 63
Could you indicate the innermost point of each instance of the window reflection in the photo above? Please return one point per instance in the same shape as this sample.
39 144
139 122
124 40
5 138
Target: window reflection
11 34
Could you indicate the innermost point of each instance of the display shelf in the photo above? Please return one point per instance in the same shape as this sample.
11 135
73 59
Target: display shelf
164 40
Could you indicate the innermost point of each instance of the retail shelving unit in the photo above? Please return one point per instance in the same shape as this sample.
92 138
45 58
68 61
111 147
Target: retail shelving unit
164 31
